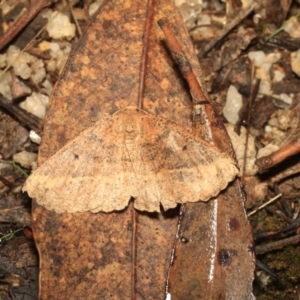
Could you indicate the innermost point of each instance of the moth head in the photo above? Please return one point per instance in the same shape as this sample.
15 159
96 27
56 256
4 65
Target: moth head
128 122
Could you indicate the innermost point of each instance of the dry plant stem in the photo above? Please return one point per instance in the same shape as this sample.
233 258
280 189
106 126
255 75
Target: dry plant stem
197 93
133 265
263 267
75 20
24 118
279 214
261 249
182 61
230 25
266 162
253 94
285 204
292 227
35 7
148 26
264 205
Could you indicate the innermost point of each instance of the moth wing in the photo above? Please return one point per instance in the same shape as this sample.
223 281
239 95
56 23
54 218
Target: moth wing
185 168
88 173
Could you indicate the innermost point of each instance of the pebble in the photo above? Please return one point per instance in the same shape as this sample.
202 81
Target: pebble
292 27
268 128
59 27
34 137
36 104
257 57
5 85
94 6
25 158
234 103
20 61
3 61
268 149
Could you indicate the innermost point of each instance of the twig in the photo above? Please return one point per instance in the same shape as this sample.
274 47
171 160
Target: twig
182 61
253 95
75 19
270 234
263 205
279 214
230 25
35 7
261 249
25 118
268 161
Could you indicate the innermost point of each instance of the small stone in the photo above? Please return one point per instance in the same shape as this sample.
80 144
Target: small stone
265 87
257 57
268 128
285 118
25 158
48 87
36 104
234 103
44 46
34 137
5 85
19 89
278 76
284 97
94 6
54 47
20 62
3 61
38 71
59 27
270 148
292 27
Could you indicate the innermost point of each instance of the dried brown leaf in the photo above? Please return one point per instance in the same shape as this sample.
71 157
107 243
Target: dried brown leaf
122 60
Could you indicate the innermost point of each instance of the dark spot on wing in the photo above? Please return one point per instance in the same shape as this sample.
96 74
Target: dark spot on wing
225 256
233 224
184 240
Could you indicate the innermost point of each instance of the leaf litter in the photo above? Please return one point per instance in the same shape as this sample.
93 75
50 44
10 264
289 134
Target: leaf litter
289 43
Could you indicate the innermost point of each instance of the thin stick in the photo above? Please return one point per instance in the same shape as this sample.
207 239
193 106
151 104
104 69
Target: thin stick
75 19
133 250
143 64
253 94
261 249
22 116
35 7
264 205
229 26
278 156
182 61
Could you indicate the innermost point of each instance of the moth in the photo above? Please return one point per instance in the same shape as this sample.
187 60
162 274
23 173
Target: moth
131 154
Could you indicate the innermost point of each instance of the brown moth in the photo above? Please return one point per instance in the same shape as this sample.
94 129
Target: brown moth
130 154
